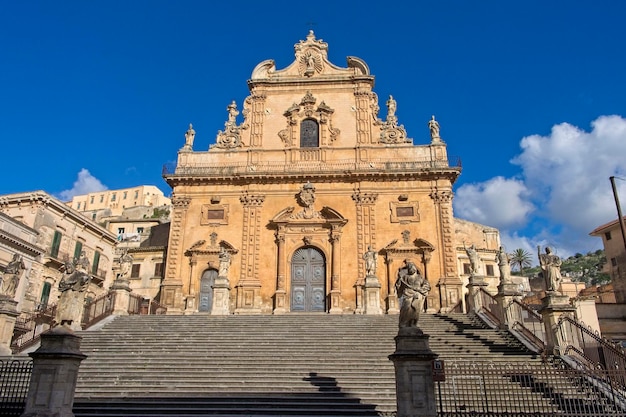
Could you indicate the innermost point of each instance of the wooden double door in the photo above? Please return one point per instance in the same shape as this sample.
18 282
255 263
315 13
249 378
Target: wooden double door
308 280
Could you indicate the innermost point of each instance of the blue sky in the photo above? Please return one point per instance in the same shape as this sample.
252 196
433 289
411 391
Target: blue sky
530 95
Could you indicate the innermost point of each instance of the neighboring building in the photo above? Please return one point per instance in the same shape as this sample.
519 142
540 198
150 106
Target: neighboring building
287 201
47 233
113 202
615 253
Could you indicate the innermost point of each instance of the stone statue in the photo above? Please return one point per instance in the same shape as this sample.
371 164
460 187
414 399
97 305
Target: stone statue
551 267
126 264
232 114
11 277
370 261
474 259
391 107
504 264
412 289
189 137
433 125
72 287
224 258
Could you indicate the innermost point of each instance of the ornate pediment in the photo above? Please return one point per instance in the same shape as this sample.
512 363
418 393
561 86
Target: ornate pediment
408 248
201 247
322 114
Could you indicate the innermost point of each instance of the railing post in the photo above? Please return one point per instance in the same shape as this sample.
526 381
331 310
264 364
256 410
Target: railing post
475 301
507 292
122 292
55 371
412 360
8 316
555 305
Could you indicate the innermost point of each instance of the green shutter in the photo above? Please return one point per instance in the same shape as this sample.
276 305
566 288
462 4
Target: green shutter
78 249
96 261
56 244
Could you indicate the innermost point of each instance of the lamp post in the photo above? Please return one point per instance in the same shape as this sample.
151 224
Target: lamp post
620 217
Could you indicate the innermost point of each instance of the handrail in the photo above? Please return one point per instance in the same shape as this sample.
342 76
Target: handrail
33 325
98 309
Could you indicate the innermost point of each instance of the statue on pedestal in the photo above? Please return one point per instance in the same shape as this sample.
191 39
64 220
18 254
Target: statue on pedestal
504 264
433 126
72 287
551 268
126 264
224 258
474 259
412 288
11 276
370 258
190 134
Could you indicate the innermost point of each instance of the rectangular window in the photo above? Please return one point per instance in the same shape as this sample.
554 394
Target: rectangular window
102 198
45 295
613 262
120 230
125 193
158 269
134 273
78 206
607 235
140 230
136 194
78 249
91 199
215 214
467 269
96 262
489 270
56 244
113 197
404 212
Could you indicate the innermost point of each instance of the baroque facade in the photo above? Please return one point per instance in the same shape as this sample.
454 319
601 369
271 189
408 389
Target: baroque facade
278 214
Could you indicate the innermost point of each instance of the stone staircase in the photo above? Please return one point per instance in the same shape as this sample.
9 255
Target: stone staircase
296 364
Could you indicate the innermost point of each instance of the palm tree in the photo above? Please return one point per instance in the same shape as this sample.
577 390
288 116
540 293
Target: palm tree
521 259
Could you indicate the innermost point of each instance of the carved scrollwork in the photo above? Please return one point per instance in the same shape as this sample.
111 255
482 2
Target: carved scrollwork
231 136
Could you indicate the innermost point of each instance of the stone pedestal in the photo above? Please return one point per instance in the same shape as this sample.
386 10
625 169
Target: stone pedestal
8 315
55 371
122 297
392 304
476 283
507 292
371 291
70 309
554 305
280 302
221 297
359 290
248 297
412 360
335 302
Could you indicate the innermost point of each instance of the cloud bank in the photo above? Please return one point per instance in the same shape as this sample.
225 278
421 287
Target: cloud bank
561 193
84 184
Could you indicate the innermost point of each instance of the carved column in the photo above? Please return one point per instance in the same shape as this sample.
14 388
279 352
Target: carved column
172 285
257 111
450 284
363 98
335 291
366 236
249 286
281 293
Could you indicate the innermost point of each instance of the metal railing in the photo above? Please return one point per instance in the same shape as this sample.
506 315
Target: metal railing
14 382
31 328
527 389
589 347
527 325
489 309
98 309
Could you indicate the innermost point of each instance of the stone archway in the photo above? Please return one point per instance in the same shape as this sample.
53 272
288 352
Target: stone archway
205 303
308 280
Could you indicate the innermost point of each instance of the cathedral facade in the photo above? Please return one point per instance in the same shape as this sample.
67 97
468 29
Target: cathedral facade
310 201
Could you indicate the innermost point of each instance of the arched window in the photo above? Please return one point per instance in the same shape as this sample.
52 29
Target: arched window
309 134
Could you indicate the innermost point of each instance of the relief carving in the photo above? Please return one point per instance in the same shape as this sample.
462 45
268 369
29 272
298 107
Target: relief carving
231 136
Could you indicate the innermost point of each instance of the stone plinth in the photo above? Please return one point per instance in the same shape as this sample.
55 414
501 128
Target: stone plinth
476 282
55 371
412 360
221 297
122 297
555 305
371 291
507 292
8 315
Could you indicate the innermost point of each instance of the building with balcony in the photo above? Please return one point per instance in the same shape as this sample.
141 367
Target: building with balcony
113 202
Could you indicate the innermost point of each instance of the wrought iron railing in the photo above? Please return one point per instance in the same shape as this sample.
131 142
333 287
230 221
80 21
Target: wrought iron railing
527 389
14 382
589 346
527 325
31 328
98 309
489 310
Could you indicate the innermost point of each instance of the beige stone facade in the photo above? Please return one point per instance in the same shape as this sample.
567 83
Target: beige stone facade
292 194
47 233
113 202
615 252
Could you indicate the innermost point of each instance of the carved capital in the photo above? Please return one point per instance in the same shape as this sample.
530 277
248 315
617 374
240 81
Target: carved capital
252 200
364 198
181 202
441 196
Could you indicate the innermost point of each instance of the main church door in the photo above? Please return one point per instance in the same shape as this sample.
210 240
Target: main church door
206 290
308 280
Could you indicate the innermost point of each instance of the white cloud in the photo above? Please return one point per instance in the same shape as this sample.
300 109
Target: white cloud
84 184
499 202
565 176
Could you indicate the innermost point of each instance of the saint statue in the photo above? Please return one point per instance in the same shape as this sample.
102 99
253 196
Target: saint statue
412 288
370 258
504 264
474 259
72 287
391 107
551 268
11 277
126 264
433 125
224 258
189 137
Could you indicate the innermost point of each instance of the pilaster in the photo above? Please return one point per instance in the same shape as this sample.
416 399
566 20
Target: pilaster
172 285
